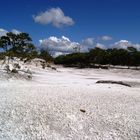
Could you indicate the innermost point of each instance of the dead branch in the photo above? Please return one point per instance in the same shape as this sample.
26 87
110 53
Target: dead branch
113 82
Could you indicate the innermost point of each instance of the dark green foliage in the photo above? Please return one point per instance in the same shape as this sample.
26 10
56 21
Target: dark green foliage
129 57
4 42
76 59
98 56
18 45
44 54
2 55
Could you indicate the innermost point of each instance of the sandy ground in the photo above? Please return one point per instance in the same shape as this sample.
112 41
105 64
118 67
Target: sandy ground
48 106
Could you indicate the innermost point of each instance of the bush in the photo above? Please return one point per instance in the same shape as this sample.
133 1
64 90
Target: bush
129 57
44 54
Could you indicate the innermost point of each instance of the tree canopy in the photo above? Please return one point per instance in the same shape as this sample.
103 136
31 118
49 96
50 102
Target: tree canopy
114 56
18 45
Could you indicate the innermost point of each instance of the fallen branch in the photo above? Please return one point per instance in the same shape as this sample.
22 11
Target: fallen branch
113 82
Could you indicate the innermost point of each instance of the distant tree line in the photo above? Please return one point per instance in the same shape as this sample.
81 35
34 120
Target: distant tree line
21 46
114 56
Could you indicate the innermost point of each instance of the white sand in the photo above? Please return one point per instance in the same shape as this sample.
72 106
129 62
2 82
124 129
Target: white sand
48 107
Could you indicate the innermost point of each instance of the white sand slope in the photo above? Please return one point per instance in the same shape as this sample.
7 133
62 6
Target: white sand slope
48 107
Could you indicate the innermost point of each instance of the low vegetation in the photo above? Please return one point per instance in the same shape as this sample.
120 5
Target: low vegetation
15 51
114 56
21 46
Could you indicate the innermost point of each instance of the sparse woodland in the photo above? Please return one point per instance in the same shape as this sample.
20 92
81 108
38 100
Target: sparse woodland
16 50
114 56
21 46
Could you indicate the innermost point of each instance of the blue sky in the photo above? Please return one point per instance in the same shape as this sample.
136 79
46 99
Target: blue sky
119 19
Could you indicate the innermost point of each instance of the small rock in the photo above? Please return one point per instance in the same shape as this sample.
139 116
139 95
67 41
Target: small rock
53 68
83 110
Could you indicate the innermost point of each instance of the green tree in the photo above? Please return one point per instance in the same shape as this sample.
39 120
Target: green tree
44 54
17 45
4 43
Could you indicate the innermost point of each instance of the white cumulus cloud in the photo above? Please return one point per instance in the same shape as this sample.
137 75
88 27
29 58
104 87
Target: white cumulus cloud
87 44
59 46
54 16
101 46
91 43
15 31
137 46
3 32
88 41
123 44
